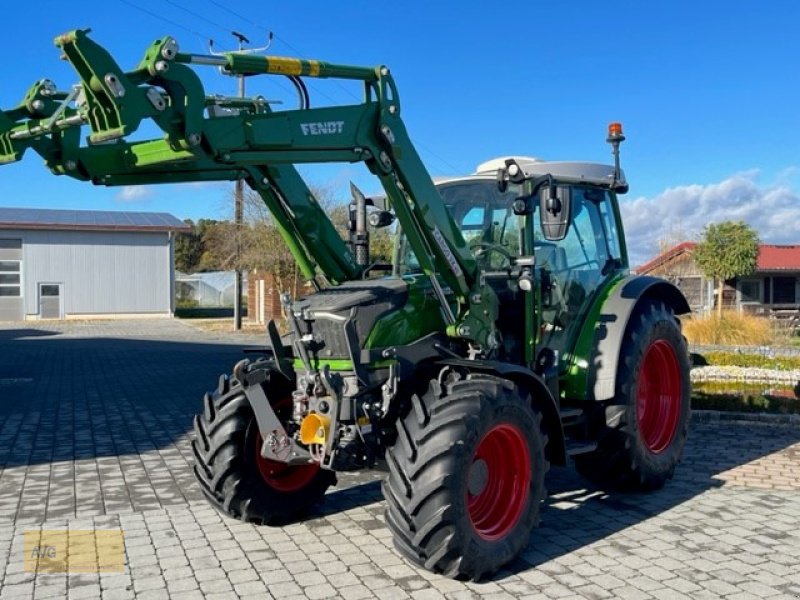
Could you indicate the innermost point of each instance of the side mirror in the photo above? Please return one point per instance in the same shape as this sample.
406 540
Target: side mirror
555 209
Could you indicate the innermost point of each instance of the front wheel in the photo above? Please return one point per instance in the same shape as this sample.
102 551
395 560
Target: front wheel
229 467
466 476
647 423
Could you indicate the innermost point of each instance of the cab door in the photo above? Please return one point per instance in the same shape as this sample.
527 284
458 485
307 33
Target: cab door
571 271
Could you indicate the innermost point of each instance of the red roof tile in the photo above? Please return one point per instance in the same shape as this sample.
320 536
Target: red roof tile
666 256
771 257
778 258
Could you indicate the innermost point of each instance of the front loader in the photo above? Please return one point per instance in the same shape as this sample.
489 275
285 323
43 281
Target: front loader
508 336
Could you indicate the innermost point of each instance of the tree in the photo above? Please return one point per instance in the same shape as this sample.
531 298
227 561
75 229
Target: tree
727 250
262 247
188 249
191 253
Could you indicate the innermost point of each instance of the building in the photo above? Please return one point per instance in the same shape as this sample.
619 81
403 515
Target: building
773 289
61 264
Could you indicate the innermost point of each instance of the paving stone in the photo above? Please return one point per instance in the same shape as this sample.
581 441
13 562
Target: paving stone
104 434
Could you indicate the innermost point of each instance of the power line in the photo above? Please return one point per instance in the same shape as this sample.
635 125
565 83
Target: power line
236 14
166 20
285 43
201 17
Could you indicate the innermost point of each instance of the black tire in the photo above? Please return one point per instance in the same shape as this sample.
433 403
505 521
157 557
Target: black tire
435 519
228 466
639 446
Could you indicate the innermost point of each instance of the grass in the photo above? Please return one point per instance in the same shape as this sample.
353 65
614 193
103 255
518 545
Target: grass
730 329
225 326
743 388
183 312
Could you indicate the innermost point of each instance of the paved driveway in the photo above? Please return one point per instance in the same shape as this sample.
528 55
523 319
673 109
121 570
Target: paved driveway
94 422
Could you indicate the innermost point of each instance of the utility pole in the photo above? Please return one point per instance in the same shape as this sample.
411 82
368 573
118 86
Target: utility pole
237 217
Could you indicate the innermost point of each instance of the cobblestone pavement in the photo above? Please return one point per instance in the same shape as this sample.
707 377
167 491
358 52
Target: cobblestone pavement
94 422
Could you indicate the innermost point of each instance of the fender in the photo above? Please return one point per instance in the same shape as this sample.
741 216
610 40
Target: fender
555 450
613 322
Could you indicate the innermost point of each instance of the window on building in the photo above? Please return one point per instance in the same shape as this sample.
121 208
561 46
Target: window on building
10 282
783 290
750 290
692 288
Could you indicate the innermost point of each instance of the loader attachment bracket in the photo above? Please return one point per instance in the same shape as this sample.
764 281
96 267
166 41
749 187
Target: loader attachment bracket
278 444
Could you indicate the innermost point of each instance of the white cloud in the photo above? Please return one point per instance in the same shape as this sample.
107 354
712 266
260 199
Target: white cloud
680 213
134 193
788 174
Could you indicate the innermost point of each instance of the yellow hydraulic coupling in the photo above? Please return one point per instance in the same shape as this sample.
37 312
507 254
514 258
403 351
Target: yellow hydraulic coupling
314 429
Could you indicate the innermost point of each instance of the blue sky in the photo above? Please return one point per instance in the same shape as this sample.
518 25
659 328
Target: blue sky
707 91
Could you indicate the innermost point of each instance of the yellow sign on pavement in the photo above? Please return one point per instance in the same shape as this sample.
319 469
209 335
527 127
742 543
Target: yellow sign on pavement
74 551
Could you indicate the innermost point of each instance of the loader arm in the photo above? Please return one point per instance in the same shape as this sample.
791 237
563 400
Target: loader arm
212 138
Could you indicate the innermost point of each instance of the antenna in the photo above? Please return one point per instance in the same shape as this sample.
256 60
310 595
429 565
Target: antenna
242 39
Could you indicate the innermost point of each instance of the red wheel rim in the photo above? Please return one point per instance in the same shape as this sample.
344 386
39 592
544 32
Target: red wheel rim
498 482
658 399
280 476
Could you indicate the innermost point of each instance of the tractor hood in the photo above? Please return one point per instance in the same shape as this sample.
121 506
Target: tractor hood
377 313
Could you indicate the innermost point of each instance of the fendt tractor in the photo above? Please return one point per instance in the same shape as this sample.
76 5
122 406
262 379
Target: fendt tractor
507 335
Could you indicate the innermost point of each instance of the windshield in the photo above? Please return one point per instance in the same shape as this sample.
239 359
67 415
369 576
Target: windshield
485 218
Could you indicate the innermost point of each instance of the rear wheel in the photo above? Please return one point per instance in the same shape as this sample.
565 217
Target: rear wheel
466 476
648 421
234 476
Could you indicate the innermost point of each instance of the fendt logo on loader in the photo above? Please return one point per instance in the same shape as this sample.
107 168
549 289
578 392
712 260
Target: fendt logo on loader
322 128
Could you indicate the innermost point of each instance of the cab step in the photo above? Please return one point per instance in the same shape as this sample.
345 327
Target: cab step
580 447
570 416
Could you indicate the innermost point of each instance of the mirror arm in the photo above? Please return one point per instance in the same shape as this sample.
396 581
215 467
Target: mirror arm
531 188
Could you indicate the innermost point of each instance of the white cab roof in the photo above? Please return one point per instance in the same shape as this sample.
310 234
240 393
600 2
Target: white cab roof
571 172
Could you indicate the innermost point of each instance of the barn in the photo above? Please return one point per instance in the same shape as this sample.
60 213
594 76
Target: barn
74 264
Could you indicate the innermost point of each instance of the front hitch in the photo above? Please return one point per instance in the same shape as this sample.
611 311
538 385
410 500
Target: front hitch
278 444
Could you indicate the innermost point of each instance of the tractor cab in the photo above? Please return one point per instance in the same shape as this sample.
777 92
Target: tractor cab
556 277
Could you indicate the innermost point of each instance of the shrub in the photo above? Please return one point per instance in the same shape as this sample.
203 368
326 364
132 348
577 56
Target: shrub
765 402
729 329
186 303
759 360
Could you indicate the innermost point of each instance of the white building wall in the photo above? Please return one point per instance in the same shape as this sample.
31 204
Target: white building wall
100 272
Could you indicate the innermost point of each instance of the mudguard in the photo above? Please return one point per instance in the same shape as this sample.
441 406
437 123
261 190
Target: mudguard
555 450
613 322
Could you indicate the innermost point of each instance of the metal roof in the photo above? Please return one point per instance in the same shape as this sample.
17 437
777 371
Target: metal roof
88 220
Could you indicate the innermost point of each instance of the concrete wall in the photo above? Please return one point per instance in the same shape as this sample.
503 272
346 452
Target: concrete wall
100 272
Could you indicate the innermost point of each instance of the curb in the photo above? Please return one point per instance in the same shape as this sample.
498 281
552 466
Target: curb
719 416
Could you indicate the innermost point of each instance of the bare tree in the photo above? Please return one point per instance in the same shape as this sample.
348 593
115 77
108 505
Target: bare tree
263 248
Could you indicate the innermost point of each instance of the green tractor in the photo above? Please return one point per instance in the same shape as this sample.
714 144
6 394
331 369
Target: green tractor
507 335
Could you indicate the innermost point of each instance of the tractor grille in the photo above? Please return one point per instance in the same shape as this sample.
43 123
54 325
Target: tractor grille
331 341
361 302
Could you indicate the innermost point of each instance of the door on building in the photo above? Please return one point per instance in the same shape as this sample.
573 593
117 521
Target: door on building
50 304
